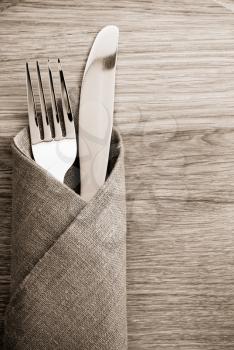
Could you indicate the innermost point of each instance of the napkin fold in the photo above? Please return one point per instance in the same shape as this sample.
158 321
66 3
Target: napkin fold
68 286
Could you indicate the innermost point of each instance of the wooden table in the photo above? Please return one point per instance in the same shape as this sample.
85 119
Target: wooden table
175 110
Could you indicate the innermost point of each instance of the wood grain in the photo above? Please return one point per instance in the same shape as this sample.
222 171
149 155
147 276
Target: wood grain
174 107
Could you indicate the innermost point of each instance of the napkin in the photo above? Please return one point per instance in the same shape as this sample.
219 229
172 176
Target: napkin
68 287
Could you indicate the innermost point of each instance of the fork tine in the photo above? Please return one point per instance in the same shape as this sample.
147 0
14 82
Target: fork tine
67 112
45 120
32 114
57 126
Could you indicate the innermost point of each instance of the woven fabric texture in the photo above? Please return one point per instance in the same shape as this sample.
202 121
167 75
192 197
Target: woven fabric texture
68 259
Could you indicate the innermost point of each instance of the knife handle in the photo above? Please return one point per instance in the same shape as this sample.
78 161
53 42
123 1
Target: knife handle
94 146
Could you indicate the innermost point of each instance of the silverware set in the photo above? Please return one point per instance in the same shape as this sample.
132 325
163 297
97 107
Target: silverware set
53 136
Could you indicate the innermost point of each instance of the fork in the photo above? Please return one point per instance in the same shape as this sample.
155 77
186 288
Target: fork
53 143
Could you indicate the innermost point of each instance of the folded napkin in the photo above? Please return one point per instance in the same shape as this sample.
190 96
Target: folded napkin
68 258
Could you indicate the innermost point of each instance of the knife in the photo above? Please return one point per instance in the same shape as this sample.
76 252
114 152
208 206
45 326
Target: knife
96 111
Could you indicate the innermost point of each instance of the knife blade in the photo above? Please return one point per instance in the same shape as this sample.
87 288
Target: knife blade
96 111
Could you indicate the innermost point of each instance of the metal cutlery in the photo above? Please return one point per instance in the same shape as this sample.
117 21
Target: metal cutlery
53 138
96 111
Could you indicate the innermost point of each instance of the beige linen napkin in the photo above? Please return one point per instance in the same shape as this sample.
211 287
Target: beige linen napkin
68 259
